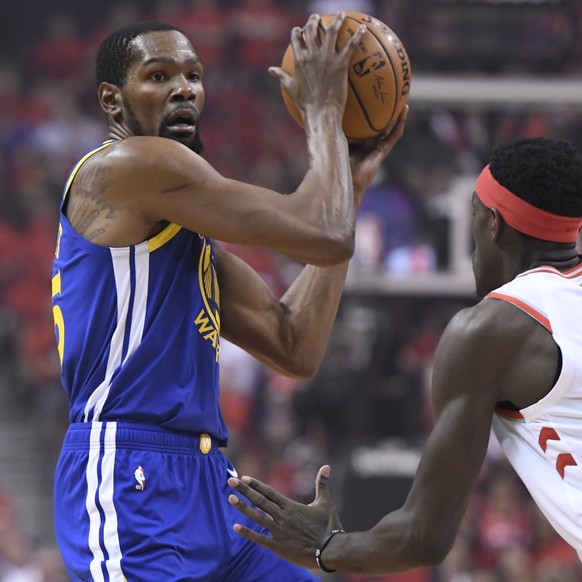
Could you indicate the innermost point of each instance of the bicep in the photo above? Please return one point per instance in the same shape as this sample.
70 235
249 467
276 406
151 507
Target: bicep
167 182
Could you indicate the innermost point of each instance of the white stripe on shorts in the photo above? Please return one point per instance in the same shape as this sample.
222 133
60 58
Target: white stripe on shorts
104 493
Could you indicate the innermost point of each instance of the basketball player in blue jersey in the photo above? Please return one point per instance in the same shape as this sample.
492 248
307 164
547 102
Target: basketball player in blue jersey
141 295
511 363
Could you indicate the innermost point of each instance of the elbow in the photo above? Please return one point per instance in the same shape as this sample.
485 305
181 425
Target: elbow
300 369
347 248
433 550
424 545
335 250
431 557
298 361
306 372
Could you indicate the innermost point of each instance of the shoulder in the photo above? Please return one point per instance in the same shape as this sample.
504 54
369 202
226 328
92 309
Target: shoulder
145 164
485 337
128 154
145 151
491 320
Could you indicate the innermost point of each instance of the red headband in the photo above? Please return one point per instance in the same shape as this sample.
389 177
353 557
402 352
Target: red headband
524 217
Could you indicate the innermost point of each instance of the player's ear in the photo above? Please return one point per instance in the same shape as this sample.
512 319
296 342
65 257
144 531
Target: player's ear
110 99
496 223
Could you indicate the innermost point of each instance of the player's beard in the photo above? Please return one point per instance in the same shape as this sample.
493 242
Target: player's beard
193 142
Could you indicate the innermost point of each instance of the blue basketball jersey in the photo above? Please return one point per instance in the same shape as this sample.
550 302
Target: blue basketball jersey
141 490
138 328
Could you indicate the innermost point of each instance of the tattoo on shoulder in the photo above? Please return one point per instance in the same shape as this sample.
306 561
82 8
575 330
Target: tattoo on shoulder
88 211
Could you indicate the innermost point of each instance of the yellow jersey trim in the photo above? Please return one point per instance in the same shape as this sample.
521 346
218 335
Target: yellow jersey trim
81 162
154 243
163 237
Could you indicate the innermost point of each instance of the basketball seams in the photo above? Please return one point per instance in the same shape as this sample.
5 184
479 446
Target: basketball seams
394 74
374 78
362 108
352 88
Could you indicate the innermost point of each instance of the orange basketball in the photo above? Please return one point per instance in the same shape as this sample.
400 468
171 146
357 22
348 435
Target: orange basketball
378 77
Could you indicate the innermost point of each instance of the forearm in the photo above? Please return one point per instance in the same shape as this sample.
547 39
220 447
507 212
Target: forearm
423 531
326 190
290 333
312 302
394 545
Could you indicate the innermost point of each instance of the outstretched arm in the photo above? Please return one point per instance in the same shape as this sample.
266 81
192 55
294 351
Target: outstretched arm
469 364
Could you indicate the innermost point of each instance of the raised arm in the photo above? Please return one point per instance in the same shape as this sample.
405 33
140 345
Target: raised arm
291 334
143 182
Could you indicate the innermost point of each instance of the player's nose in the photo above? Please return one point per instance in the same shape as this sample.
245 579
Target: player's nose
183 91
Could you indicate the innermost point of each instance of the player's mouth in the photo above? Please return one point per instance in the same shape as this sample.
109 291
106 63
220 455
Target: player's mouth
182 121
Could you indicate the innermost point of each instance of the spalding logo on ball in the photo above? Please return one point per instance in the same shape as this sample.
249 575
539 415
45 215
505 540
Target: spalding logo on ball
378 77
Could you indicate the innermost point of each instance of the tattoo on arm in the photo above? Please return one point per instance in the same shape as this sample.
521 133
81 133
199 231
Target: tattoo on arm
88 203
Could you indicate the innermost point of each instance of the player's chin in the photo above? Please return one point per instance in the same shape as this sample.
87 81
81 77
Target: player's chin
191 139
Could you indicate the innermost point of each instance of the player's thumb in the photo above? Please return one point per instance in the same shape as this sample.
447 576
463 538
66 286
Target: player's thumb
322 493
280 74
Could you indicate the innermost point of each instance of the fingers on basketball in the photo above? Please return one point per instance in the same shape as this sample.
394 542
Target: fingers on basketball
379 77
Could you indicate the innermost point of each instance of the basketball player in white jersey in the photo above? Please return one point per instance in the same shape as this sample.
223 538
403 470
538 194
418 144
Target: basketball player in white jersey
512 362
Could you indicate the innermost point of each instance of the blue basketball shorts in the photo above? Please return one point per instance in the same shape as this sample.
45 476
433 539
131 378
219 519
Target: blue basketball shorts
138 503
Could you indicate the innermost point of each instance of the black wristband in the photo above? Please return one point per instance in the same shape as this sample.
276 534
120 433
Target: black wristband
322 545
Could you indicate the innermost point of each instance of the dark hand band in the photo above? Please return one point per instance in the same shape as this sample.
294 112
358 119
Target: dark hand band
322 546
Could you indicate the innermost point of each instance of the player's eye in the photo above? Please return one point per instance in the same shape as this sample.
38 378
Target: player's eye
194 76
157 76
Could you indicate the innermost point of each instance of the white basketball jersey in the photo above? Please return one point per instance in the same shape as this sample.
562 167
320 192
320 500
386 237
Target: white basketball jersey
543 442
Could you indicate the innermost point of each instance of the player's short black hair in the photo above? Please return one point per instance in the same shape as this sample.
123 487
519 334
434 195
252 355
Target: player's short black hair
547 173
116 53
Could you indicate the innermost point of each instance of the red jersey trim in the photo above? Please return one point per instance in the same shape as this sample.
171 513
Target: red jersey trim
511 414
569 274
539 317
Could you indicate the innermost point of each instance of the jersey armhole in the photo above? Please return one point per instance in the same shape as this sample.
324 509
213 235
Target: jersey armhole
525 307
77 167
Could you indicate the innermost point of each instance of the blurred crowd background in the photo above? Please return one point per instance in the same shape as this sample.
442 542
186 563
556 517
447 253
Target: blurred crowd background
367 411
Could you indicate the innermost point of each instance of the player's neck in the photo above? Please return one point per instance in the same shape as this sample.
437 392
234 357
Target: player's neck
560 256
118 131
